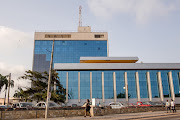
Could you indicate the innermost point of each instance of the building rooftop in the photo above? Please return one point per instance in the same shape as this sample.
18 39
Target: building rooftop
83 33
117 66
108 59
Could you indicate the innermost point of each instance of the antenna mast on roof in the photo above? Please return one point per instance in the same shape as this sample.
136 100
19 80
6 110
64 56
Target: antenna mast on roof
80 18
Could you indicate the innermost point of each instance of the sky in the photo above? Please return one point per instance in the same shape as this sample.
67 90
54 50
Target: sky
149 29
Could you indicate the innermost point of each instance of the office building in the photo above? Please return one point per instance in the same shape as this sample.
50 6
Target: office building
68 47
86 70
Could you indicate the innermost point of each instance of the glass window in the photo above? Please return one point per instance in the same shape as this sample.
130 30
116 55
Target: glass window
132 92
154 83
165 83
175 77
108 85
73 84
84 84
97 84
66 51
120 84
143 84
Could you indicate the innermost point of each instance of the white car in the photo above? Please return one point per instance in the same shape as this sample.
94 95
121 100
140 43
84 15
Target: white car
43 104
116 105
26 105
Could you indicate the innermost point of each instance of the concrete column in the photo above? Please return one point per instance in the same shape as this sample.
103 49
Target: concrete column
79 87
114 84
160 86
171 85
91 86
66 87
137 87
103 87
126 85
149 86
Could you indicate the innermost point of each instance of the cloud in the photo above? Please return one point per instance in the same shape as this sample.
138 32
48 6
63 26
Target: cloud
141 10
12 39
16 49
16 71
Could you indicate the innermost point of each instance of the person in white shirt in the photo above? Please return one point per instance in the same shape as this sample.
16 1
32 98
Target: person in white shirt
168 106
172 105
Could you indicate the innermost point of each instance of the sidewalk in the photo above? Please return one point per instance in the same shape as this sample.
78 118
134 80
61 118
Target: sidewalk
142 115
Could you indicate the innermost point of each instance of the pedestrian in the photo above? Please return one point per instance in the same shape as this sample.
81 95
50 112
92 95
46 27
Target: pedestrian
168 106
87 108
172 105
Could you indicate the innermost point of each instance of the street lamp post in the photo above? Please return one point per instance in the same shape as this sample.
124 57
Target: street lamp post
49 82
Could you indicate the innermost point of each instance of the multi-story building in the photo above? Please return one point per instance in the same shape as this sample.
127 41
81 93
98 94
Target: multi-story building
86 71
68 47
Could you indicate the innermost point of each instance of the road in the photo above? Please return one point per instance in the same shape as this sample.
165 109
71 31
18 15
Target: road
158 115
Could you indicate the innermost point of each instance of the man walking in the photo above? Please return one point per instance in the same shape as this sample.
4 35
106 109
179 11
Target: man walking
87 109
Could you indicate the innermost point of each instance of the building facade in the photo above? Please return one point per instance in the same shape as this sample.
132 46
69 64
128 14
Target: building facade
86 70
68 47
131 82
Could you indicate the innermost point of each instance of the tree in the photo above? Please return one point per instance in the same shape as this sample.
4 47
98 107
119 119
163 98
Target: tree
38 89
4 83
123 95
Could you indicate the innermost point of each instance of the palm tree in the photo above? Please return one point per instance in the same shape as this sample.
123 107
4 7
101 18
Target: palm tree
4 83
6 86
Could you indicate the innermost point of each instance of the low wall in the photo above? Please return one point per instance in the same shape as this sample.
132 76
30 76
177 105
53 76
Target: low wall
30 114
101 112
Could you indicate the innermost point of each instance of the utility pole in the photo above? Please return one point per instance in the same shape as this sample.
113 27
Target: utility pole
49 82
9 87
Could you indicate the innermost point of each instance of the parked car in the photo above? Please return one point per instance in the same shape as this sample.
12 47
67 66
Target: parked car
50 104
157 103
127 104
23 105
116 105
143 104
5 106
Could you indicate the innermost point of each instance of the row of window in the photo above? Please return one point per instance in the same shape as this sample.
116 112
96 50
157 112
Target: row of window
66 51
68 36
120 83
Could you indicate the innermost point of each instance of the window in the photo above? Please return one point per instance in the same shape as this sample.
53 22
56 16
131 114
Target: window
99 36
57 36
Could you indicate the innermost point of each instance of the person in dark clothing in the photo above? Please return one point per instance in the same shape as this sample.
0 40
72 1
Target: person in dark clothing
87 108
